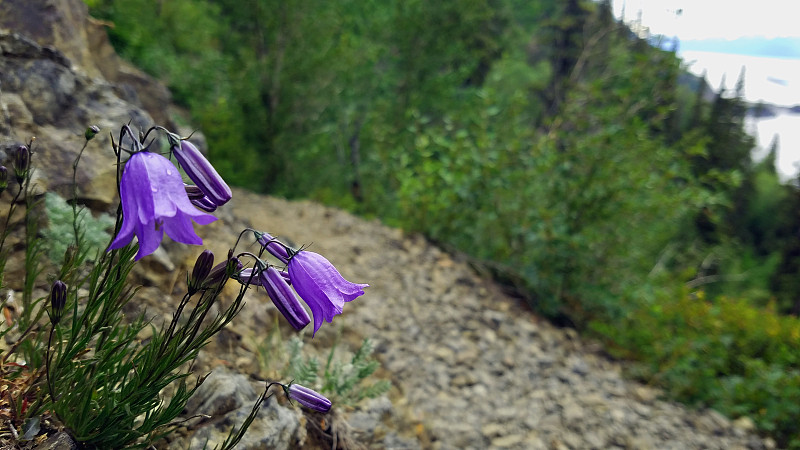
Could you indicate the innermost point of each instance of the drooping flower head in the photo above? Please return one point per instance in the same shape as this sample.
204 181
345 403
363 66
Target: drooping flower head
321 286
154 201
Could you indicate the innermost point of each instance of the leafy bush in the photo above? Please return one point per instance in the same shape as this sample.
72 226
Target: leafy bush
724 353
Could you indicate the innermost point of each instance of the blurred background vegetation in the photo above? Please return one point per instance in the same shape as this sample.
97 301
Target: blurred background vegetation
578 163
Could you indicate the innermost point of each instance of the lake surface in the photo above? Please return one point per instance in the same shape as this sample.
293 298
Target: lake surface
787 128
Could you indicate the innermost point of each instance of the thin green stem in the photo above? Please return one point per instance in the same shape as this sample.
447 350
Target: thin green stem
11 210
75 192
47 365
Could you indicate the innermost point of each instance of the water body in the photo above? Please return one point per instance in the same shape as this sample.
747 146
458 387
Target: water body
774 81
787 128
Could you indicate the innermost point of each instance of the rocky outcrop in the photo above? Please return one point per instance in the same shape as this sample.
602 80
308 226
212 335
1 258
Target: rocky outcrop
58 75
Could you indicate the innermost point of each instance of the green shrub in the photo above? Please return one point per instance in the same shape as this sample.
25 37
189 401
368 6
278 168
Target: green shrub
724 353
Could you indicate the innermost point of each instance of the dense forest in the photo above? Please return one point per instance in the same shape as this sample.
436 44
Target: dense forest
575 162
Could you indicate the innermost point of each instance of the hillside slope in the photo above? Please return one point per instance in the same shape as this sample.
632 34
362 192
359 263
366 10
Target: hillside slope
471 366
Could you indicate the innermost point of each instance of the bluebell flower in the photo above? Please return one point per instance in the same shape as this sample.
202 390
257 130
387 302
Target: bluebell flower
154 201
321 286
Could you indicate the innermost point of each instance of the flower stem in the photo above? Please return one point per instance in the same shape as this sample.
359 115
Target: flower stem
75 193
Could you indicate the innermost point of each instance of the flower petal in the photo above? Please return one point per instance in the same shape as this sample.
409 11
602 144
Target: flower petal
180 229
149 239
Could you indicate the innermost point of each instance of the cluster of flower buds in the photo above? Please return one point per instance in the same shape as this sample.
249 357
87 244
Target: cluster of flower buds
205 275
313 277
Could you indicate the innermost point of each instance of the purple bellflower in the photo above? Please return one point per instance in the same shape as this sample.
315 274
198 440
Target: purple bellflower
307 397
321 286
154 201
202 172
284 298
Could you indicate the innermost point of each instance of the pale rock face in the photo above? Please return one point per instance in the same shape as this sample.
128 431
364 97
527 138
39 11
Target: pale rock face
59 75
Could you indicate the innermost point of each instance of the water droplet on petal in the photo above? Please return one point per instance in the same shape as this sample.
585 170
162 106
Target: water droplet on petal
169 172
153 188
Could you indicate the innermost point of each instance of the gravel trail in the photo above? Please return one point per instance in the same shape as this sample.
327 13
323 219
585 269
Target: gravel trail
472 367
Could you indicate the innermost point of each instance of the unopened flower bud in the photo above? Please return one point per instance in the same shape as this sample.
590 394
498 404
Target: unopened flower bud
91 132
249 275
58 299
307 397
246 275
3 178
202 172
193 192
202 268
22 162
273 246
221 271
284 299
204 204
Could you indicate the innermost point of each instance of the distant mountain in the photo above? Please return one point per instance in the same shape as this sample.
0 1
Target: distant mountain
783 47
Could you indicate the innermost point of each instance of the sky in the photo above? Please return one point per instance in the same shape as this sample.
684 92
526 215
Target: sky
706 19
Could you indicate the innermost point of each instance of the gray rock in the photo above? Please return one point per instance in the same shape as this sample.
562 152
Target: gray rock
58 441
221 393
275 427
